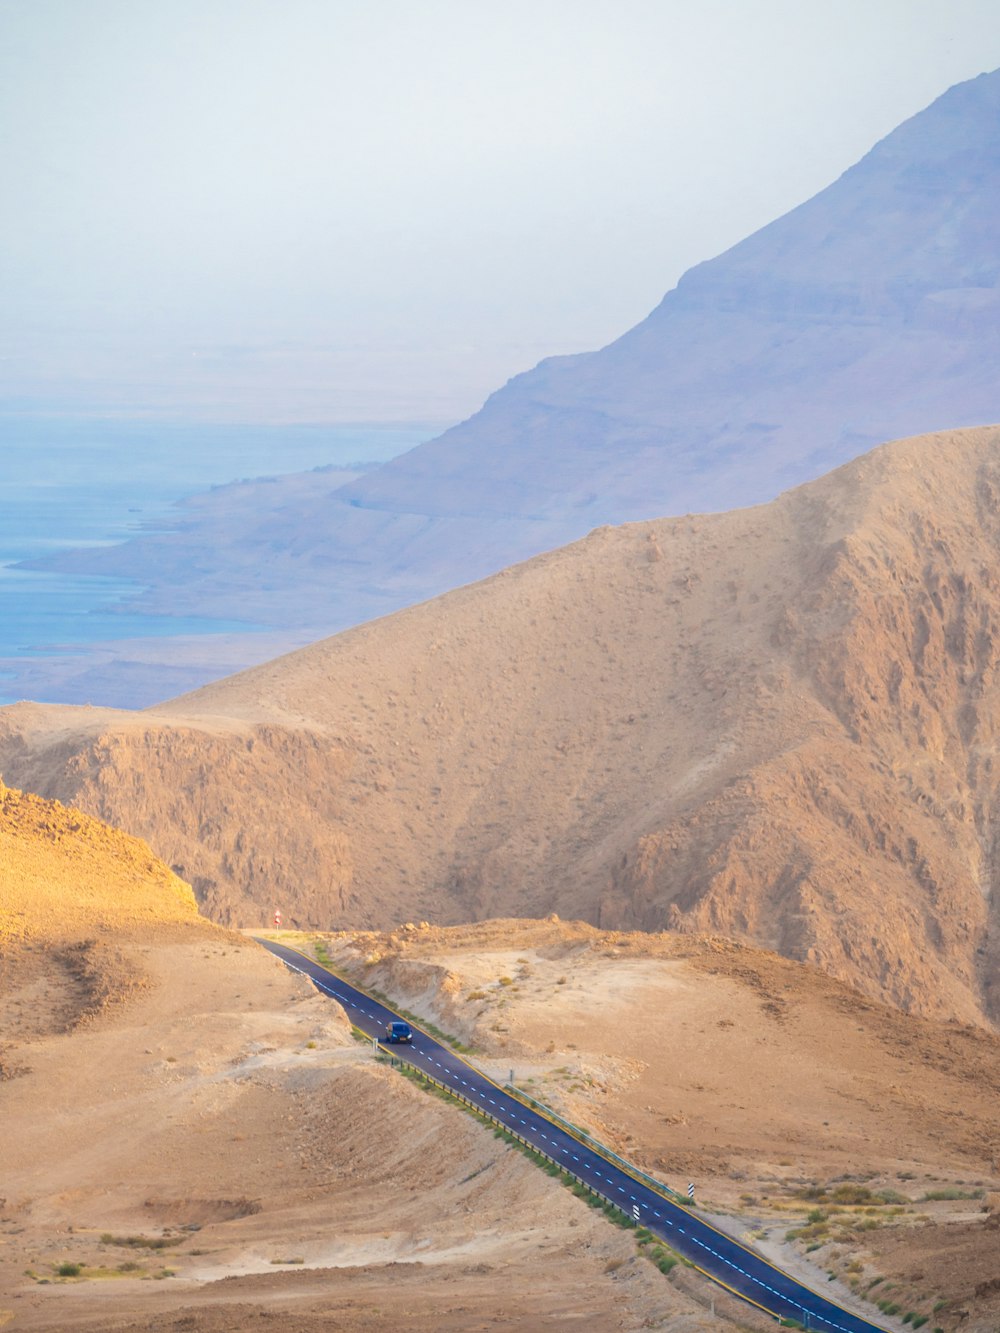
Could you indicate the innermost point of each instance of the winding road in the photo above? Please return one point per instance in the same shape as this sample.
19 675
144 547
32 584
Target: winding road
718 1256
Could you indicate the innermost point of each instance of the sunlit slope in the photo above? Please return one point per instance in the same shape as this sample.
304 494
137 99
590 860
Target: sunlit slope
777 724
64 873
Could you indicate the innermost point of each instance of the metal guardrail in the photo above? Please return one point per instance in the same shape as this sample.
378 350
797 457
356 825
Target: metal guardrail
598 1147
397 1060
607 1153
581 1135
602 1149
562 1169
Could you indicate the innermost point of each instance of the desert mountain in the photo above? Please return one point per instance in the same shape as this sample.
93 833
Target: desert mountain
868 313
776 724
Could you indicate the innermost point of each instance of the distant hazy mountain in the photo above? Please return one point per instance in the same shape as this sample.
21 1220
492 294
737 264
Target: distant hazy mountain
868 313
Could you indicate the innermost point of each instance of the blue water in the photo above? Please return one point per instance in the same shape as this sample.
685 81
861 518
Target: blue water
69 483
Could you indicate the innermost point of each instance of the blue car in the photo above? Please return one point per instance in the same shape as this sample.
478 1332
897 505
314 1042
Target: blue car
398 1031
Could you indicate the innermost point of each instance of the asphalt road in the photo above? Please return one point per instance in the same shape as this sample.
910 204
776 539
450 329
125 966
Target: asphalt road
721 1258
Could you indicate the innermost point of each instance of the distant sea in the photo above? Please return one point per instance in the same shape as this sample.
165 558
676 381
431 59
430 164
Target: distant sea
69 483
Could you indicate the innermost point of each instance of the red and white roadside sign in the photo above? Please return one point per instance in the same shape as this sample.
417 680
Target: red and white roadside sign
277 920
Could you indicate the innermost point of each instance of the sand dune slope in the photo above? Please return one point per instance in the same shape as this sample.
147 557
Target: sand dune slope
776 723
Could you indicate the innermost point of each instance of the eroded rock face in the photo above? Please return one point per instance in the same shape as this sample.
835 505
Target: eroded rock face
780 727
886 873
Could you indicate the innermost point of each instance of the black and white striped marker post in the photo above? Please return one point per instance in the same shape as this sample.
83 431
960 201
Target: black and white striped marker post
691 1192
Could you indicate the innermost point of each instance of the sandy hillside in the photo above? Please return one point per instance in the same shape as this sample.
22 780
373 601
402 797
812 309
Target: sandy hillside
775 724
65 873
193 1131
227 1116
792 1102
72 891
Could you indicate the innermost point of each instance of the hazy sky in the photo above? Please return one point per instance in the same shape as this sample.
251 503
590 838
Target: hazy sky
288 210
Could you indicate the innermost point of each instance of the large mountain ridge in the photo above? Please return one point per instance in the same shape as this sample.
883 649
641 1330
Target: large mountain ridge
776 724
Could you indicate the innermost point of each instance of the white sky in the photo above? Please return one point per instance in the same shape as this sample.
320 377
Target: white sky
336 210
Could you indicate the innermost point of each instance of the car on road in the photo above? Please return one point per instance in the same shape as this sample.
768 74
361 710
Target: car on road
398 1031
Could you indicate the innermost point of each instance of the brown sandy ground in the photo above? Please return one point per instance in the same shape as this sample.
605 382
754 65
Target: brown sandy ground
796 1105
196 1134
180 1086
227 1111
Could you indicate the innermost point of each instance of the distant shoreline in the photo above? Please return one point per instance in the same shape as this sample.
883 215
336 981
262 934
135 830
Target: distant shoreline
79 483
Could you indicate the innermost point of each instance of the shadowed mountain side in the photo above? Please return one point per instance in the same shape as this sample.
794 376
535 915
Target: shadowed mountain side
778 723
870 312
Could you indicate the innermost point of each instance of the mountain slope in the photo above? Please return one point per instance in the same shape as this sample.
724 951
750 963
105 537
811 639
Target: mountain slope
868 313
76 898
777 724
65 874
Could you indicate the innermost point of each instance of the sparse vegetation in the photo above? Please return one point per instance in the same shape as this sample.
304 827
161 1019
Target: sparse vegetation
847 1194
142 1242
